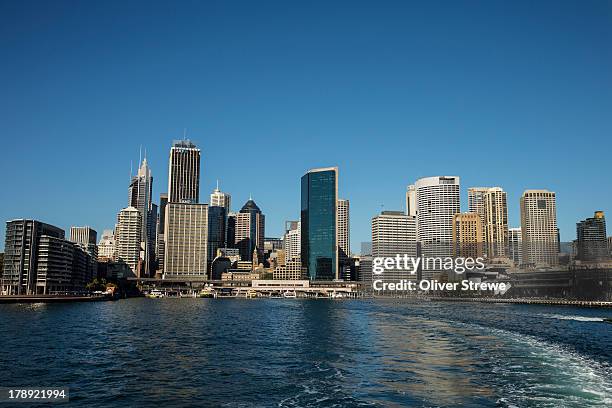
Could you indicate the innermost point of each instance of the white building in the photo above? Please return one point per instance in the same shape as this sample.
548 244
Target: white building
292 241
186 238
106 246
128 238
394 233
438 200
220 199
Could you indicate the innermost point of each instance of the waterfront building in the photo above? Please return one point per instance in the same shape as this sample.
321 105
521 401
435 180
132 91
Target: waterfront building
394 233
221 199
140 196
344 231
86 238
591 242
515 245
364 271
319 238
291 270
539 228
249 231
160 247
292 241
467 235
128 239
438 200
39 260
184 173
186 240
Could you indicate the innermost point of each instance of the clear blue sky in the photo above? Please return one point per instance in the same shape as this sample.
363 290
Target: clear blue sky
515 94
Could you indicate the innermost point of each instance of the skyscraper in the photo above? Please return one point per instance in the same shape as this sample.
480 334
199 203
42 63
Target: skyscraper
186 240
438 200
220 199
515 245
319 239
591 242
539 228
216 231
496 222
128 234
344 231
476 204
467 235
160 248
140 192
292 240
250 231
394 233
491 205
184 173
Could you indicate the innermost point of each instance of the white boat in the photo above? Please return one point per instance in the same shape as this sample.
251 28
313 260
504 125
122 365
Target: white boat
290 294
155 293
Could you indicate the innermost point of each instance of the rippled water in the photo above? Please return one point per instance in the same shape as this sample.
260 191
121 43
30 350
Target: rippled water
295 353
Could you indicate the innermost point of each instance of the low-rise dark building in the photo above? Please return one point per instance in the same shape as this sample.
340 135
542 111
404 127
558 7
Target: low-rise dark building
39 260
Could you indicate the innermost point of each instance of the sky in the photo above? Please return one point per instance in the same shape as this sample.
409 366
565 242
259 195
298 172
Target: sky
513 94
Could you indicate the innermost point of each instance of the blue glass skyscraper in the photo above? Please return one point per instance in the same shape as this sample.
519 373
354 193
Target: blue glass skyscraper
318 217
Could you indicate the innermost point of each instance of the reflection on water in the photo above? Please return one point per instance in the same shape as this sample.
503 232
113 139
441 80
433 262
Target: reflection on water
295 353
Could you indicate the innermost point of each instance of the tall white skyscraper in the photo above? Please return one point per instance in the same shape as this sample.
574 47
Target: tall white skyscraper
394 233
186 238
220 199
438 200
128 233
292 241
184 173
539 228
250 230
344 230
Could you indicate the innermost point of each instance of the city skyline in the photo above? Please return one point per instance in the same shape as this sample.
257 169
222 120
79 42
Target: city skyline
464 193
382 93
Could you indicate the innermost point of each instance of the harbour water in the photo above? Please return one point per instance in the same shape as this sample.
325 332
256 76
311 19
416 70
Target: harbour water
300 353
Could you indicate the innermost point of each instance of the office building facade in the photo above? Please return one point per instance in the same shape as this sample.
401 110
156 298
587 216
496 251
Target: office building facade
319 239
186 240
539 228
184 173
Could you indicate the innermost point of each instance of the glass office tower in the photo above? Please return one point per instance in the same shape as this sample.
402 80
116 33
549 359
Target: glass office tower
319 223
